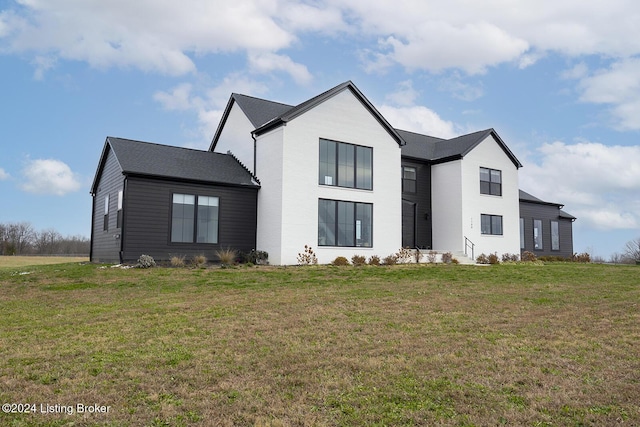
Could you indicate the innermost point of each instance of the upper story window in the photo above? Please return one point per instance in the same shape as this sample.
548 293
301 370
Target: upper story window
345 165
105 225
119 212
490 182
409 179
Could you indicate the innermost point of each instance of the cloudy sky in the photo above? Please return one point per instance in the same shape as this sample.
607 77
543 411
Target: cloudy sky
559 81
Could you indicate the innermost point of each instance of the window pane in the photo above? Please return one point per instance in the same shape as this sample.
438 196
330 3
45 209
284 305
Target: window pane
409 173
364 168
363 224
555 236
182 218
537 234
346 224
207 219
484 174
485 224
409 176
485 187
521 233
496 176
346 159
496 225
327 163
496 189
326 222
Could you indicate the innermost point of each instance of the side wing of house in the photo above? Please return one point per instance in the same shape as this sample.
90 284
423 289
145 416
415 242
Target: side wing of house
330 179
416 204
545 229
106 217
475 196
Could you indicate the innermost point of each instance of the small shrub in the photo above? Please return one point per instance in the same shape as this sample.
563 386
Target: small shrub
431 258
390 260
177 261
358 260
455 261
482 259
493 258
253 257
507 257
447 257
307 257
583 257
374 260
528 256
145 261
200 260
404 255
417 256
340 261
226 256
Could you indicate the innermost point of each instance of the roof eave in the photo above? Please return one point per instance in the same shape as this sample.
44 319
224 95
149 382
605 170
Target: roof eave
222 123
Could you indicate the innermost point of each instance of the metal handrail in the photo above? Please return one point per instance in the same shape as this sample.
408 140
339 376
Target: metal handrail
469 244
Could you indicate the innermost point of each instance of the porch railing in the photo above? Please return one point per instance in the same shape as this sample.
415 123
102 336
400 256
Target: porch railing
469 245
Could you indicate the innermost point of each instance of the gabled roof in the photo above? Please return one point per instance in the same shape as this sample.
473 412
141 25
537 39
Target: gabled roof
440 150
183 164
299 109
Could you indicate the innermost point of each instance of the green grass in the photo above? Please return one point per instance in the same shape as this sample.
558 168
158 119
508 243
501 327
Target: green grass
532 345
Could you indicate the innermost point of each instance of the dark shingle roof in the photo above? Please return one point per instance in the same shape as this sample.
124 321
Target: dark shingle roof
526 197
260 111
164 161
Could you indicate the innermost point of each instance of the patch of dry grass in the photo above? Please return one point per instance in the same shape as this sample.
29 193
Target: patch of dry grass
25 261
402 345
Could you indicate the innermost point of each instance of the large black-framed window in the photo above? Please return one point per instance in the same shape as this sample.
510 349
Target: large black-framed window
409 179
188 224
119 211
105 225
345 165
555 236
346 224
537 235
491 224
490 181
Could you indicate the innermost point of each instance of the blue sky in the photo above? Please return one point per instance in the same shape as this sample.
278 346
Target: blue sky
559 81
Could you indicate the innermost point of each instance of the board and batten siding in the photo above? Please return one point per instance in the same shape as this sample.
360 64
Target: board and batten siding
105 245
147 218
546 213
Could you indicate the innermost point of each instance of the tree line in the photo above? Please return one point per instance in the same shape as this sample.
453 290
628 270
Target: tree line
630 254
21 238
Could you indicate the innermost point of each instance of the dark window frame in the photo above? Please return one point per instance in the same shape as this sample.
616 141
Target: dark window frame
341 240
493 229
195 221
491 187
355 163
409 185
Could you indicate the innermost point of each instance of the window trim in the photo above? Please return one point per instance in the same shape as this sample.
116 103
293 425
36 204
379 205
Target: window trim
356 230
351 163
194 237
491 183
491 225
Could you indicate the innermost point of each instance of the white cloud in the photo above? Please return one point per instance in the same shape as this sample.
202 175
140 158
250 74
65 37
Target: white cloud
49 176
599 184
418 119
265 62
404 95
3 175
207 103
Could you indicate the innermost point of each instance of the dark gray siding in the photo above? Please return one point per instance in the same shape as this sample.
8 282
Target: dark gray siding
422 200
147 219
546 213
105 245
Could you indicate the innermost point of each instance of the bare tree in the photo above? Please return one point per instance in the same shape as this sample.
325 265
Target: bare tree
20 237
47 242
632 249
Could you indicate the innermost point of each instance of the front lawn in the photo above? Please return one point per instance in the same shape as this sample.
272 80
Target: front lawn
522 344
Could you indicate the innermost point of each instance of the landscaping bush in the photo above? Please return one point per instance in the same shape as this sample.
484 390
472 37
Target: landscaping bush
226 256
404 255
253 257
493 258
390 260
177 261
431 258
482 259
200 260
528 256
507 257
145 261
447 257
374 260
358 260
417 255
583 257
340 261
307 257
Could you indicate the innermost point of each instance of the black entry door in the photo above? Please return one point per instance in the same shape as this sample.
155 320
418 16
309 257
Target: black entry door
408 224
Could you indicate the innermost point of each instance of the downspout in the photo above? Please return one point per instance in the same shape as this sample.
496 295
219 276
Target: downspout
122 225
255 145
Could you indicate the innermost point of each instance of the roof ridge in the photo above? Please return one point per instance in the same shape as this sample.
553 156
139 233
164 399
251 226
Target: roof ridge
261 99
420 134
109 138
